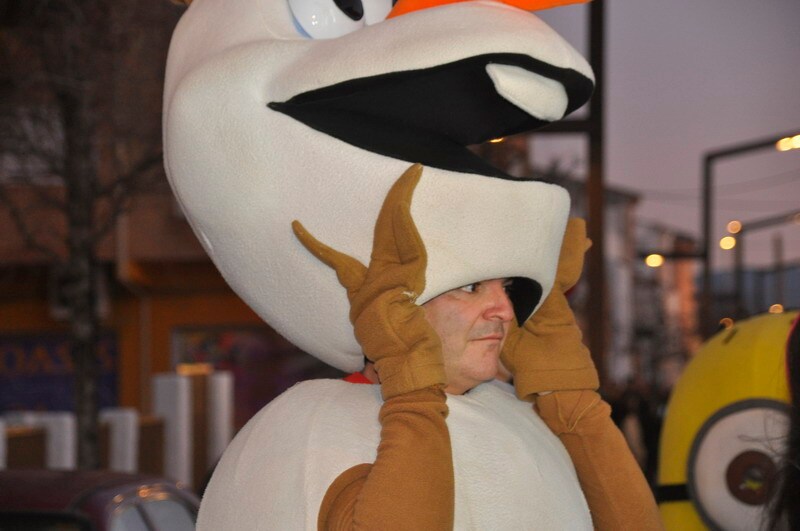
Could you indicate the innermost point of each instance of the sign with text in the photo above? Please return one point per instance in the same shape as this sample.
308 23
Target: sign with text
37 373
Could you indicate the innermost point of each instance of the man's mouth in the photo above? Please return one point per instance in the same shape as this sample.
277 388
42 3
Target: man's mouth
429 115
493 332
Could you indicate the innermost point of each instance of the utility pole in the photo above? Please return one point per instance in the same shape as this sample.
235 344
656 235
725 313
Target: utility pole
596 274
593 127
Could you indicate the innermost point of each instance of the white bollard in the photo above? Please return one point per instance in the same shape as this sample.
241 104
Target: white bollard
60 431
123 440
61 428
220 414
172 402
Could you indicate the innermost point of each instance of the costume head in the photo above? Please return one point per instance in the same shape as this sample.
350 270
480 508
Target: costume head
725 429
265 123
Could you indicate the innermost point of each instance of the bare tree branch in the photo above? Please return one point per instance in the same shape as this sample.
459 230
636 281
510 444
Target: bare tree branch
133 180
71 68
47 199
119 192
18 217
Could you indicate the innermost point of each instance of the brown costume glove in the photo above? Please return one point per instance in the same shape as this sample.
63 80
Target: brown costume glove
390 327
410 485
547 356
546 353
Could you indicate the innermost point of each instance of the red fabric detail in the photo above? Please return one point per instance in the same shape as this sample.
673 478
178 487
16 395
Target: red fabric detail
356 378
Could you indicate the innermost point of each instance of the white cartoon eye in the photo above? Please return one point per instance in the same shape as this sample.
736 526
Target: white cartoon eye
328 19
733 463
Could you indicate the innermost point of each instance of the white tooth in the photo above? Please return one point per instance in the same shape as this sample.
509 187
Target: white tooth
539 96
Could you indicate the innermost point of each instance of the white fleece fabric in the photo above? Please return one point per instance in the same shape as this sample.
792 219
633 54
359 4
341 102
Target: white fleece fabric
511 472
243 172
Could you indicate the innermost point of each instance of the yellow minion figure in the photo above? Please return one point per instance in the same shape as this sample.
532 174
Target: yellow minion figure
725 429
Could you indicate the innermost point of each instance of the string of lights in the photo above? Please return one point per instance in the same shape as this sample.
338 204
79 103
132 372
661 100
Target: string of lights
763 182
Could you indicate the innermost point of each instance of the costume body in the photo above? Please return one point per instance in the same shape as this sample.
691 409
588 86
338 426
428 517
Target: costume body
419 478
247 90
511 472
727 422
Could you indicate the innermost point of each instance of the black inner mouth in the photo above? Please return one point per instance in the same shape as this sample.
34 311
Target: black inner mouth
429 115
524 294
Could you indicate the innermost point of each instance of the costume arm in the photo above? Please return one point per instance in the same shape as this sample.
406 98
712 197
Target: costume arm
553 368
410 485
618 495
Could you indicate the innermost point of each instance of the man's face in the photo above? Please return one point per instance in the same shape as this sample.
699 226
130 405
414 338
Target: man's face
472 323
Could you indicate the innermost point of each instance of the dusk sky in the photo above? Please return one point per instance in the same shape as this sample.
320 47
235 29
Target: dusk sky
685 77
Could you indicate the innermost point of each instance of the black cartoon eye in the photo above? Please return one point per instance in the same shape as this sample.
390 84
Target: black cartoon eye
732 467
352 8
328 19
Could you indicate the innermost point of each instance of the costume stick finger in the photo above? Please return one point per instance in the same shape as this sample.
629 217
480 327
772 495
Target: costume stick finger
350 271
573 249
409 243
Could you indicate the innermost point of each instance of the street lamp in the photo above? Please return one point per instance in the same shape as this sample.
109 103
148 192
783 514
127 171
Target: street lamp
659 259
726 243
654 260
734 226
788 143
782 142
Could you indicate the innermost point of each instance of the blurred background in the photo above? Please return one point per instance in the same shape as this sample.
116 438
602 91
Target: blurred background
122 347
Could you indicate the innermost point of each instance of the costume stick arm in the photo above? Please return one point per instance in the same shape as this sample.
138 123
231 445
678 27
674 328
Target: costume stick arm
410 485
552 367
618 495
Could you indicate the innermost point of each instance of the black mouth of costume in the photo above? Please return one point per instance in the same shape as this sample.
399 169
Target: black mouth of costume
432 114
524 294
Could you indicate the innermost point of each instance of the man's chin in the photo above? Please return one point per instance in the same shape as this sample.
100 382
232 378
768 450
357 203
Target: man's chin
491 363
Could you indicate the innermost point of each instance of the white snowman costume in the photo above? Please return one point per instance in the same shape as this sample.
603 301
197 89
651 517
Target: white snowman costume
511 472
264 125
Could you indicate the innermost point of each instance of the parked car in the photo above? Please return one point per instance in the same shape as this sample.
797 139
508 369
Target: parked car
44 500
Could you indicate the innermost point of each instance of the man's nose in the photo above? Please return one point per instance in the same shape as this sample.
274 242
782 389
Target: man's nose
499 305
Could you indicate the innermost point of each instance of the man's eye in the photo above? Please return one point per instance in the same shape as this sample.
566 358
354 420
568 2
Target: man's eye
470 288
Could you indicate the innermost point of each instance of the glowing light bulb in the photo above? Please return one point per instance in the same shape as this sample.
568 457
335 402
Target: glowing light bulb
787 143
654 260
727 243
734 227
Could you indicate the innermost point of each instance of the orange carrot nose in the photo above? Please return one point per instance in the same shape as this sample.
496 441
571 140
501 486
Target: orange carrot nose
407 6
